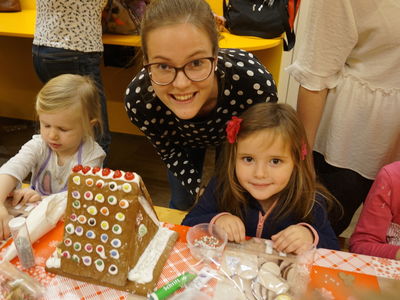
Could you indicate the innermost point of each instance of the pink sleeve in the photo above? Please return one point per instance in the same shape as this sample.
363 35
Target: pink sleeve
213 220
369 236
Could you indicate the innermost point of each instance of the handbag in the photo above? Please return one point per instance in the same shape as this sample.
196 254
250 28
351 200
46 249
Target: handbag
10 5
262 18
123 16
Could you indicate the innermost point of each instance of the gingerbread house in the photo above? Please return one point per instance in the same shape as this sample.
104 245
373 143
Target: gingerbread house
112 235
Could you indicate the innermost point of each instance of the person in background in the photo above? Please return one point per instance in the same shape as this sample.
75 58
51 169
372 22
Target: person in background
378 229
189 88
265 184
348 68
68 40
68 110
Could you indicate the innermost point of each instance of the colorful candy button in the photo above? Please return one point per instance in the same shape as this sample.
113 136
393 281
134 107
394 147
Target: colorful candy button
120 216
90 234
73 217
142 230
89 181
112 269
92 221
105 172
95 170
100 183
88 247
87 260
66 254
104 237
85 169
100 251
117 229
76 258
76 179
113 186
116 243
124 203
76 204
114 254
129 176
99 265
99 198
104 225
92 210
88 195
126 187
112 200
77 168
77 246
82 219
70 228
79 230
117 174
76 195
104 211
67 242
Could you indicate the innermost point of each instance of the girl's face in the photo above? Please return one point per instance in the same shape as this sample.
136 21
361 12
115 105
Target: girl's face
264 164
175 46
62 130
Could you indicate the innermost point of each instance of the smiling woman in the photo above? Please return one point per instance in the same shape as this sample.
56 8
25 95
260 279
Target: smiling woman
189 89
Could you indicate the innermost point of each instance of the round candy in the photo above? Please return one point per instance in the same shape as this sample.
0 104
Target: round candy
77 246
104 211
88 195
100 251
113 269
87 260
66 254
114 254
89 248
104 237
72 217
67 242
104 225
124 203
120 216
70 228
79 230
117 229
76 258
92 210
100 183
99 265
82 219
113 186
90 234
116 243
76 204
89 181
76 195
112 200
92 221
142 230
126 187
99 198
76 179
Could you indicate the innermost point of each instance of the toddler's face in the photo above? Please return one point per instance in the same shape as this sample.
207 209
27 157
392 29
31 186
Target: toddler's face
62 130
177 45
264 164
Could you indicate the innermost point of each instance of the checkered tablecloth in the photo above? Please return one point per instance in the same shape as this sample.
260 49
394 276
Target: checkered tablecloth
180 260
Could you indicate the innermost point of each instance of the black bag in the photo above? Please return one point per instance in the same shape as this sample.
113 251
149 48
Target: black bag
262 18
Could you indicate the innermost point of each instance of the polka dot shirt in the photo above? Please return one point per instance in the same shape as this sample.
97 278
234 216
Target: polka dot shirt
242 82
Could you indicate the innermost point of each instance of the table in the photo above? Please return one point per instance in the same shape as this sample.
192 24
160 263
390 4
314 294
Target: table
327 273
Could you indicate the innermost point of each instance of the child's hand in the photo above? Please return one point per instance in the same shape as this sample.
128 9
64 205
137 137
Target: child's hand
233 226
22 196
294 239
4 219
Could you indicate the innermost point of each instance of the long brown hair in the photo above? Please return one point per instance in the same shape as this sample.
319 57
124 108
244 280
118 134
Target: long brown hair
298 197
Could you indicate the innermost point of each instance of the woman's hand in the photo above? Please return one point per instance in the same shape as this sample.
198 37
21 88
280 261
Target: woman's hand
233 226
26 195
4 219
294 239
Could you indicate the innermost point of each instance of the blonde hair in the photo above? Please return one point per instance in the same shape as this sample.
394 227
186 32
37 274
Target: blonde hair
298 197
162 13
70 90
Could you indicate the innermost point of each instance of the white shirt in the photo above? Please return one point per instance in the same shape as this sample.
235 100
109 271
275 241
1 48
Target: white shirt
33 155
69 24
352 47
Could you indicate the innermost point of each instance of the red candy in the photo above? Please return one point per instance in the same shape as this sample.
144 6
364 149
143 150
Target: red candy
129 176
86 169
77 168
117 174
106 171
96 169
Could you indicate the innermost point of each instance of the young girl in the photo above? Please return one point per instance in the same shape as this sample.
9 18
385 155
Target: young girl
189 88
378 229
68 110
265 184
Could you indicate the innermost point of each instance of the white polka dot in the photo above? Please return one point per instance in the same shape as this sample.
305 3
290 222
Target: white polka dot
235 77
158 108
227 92
240 93
251 61
175 163
153 120
137 90
182 172
189 180
141 76
261 71
256 86
150 89
146 123
240 64
127 91
225 111
191 171
168 112
217 120
233 102
249 101
269 82
133 110
250 73
197 190
268 98
149 106
228 64
260 92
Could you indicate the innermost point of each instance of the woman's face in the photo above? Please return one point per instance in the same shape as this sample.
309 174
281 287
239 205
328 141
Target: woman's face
175 46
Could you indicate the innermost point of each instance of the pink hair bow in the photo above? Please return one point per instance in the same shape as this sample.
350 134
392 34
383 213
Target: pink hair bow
232 129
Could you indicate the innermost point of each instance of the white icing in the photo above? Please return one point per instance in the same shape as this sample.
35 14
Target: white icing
53 262
99 265
148 209
143 271
99 173
100 251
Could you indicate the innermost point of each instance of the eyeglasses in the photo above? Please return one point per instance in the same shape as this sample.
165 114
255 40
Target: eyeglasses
195 70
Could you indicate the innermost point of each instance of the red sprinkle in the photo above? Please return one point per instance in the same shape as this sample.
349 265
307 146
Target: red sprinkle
129 176
86 169
96 169
117 174
77 168
106 171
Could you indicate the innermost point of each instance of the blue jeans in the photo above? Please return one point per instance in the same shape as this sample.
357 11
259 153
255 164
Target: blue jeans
181 198
50 62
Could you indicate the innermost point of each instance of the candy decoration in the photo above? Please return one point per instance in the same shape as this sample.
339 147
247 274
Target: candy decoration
112 200
76 195
82 219
129 176
76 179
100 183
76 204
70 228
77 168
66 254
88 247
104 225
76 258
79 230
113 269
104 211
114 254
142 230
117 229
113 186
90 234
117 174
72 217
104 237
67 242
105 172
77 246
99 198
87 260
116 243
120 216
124 203
92 210
95 170
88 195
92 221
99 265
86 169
89 182
100 251
126 187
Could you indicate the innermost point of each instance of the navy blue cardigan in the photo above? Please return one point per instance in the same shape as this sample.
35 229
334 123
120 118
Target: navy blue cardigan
207 207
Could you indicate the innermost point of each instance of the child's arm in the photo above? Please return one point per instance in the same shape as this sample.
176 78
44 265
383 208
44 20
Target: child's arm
233 226
369 236
293 239
7 184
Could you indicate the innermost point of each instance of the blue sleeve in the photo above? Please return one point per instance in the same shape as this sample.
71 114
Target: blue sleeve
327 237
205 209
